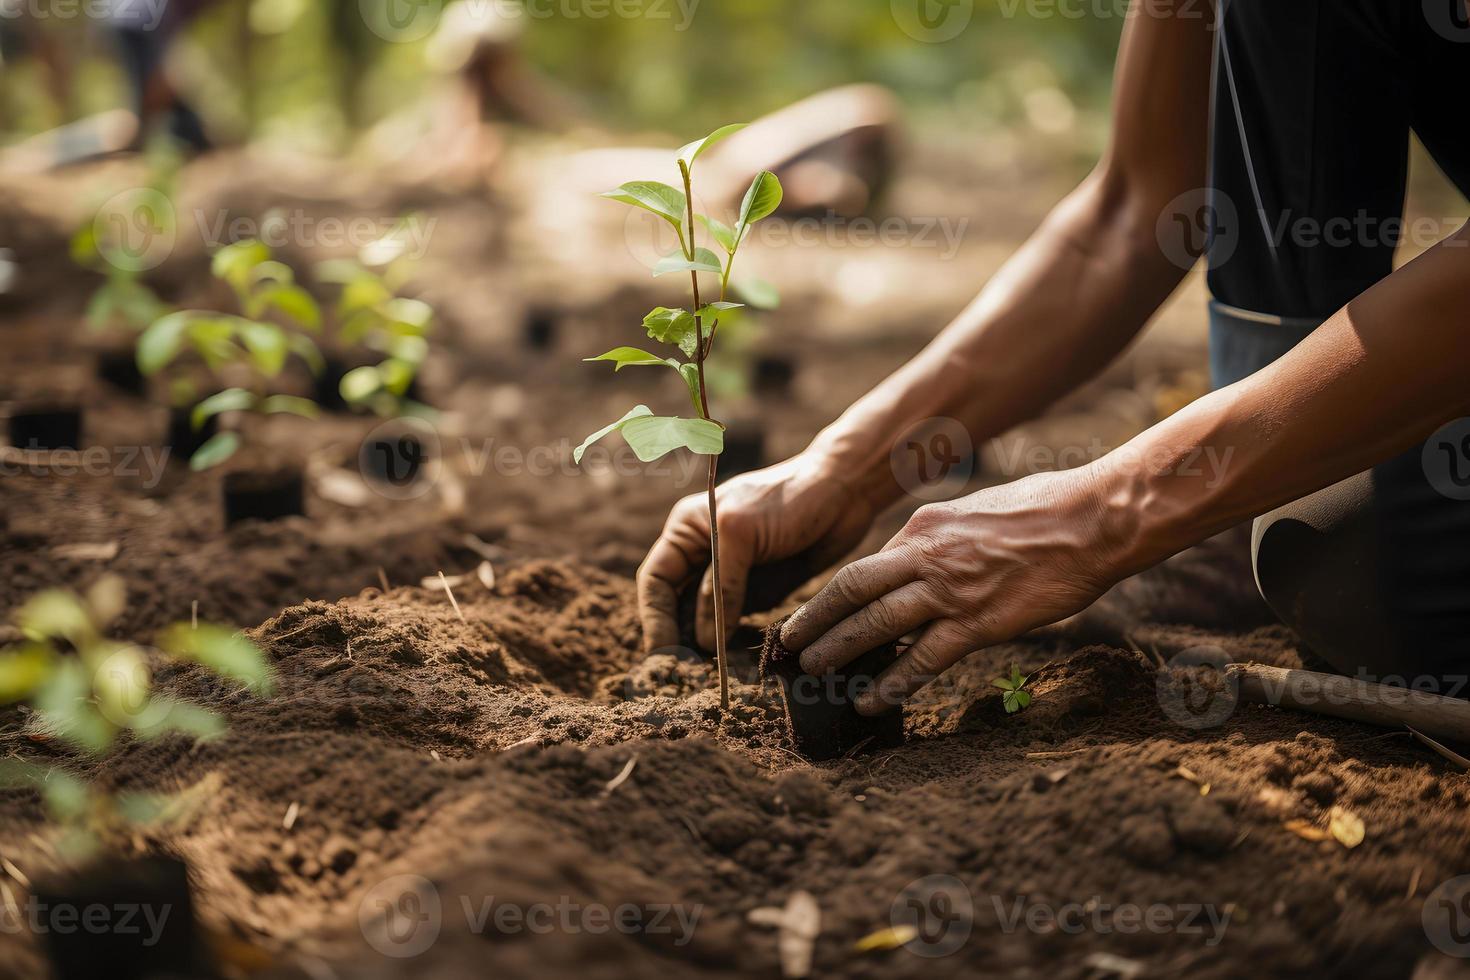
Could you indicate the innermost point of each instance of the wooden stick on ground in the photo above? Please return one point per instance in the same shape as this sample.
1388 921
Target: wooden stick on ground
1354 699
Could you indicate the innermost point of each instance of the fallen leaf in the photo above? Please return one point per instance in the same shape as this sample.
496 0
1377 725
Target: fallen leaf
1346 826
1306 830
1118 966
485 572
890 938
344 488
86 550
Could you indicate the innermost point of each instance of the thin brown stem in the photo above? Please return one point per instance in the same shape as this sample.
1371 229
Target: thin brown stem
701 350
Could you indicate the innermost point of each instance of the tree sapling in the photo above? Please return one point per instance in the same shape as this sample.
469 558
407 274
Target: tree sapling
84 690
249 343
693 332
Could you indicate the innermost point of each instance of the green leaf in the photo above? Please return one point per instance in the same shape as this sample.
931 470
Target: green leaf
289 404
710 312
412 350
272 271
138 304
690 152
66 796
650 195
690 374
55 614
672 327
100 308
638 411
23 669
166 715
409 316
362 294
397 375
229 400
1014 701
122 684
235 262
631 357
219 447
293 301
160 342
360 384
341 271
653 436
721 232
704 261
758 293
212 337
761 199
267 345
83 245
221 649
303 348
65 710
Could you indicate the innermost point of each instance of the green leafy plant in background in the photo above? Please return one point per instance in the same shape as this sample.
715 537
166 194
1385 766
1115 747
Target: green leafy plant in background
84 690
263 287
1015 697
124 299
693 332
371 313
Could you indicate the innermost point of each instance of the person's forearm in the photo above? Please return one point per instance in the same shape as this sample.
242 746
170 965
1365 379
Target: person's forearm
1377 378
1054 316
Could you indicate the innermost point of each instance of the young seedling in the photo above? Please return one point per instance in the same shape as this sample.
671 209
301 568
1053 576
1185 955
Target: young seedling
693 332
1015 698
370 313
262 287
84 690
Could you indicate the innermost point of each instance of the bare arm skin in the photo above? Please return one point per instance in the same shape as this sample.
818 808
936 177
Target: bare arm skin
1055 315
1377 378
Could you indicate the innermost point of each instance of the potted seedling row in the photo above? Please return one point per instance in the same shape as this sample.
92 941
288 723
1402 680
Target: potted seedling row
248 345
84 693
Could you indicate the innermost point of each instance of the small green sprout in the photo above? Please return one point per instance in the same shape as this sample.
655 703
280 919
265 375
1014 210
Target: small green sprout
693 332
1015 697
123 299
370 313
85 689
262 287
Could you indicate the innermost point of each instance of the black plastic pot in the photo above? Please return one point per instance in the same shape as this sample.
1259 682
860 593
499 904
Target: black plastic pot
824 723
396 459
745 449
538 332
772 375
119 368
46 427
123 919
263 495
183 440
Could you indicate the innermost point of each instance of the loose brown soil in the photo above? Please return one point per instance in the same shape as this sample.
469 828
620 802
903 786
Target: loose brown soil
524 752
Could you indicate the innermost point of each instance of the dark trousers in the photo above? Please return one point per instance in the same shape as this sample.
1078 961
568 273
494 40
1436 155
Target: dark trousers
1314 102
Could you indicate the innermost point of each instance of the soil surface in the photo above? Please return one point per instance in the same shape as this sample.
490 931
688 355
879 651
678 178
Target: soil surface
494 779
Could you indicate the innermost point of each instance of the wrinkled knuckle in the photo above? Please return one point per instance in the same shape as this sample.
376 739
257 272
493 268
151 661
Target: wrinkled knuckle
845 584
881 617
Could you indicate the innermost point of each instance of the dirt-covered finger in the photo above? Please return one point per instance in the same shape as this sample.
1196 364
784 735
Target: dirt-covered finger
853 587
935 651
882 621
